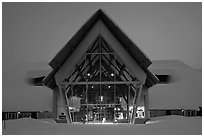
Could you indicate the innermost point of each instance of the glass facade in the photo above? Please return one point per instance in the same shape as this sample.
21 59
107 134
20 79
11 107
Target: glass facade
100 88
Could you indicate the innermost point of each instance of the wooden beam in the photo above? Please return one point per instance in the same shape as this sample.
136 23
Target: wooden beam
105 45
95 47
117 69
100 83
88 57
136 104
79 71
65 104
99 104
89 64
92 49
119 65
134 98
121 69
111 63
77 54
117 47
128 98
99 53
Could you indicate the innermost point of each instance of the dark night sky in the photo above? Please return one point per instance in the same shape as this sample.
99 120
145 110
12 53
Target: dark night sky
35 32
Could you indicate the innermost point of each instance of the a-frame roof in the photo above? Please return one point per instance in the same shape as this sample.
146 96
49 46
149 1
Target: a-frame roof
139 57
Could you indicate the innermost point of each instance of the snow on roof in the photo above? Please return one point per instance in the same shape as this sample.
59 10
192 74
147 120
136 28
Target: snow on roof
184 90
167 63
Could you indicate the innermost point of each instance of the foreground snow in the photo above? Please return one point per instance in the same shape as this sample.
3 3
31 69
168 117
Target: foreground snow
173 125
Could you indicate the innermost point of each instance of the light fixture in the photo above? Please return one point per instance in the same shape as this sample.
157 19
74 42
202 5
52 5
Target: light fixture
92 86
88 74
101 98
112 74
109 86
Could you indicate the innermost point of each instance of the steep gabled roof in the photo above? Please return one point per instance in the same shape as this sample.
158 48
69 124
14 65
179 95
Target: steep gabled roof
140 58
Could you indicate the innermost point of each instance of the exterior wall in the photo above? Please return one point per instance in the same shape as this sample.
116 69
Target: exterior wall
28 114
166 112
54 103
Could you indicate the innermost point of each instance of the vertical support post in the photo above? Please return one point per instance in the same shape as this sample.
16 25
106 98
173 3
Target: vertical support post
136 103
86 93
87 86
115 98
128 98
100 55
65 103
72 103
54 107
133 111
146 103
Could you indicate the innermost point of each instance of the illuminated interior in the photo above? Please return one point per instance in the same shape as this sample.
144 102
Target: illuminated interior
100 102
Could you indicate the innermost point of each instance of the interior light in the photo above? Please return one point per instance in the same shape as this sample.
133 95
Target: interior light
109 86
112 74
88 74
101 98
92 86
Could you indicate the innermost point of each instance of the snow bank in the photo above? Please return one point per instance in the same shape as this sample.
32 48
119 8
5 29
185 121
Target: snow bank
172 125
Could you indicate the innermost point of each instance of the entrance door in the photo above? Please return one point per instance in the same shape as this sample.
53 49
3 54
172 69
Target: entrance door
100 102
98 113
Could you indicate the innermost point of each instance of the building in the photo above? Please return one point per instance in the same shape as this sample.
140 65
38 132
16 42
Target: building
103 67
99 76
179 89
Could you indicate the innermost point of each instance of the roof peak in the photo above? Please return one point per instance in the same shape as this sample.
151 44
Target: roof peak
139 57
101 10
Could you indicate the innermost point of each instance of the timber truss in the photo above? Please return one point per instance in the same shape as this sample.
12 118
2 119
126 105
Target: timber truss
101 72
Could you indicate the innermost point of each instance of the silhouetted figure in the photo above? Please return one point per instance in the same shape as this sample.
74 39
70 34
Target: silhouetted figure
199 111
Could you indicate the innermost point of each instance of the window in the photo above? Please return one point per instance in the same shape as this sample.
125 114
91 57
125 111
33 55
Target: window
37 81
163 79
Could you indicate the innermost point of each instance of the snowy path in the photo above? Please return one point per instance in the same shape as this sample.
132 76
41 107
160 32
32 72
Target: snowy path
173 125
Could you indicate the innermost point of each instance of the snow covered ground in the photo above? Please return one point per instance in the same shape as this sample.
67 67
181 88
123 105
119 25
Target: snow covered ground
169 125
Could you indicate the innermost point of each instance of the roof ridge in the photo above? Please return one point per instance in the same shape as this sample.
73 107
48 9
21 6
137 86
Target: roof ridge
137 54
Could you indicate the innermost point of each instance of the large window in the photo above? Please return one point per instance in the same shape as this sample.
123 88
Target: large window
102 81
